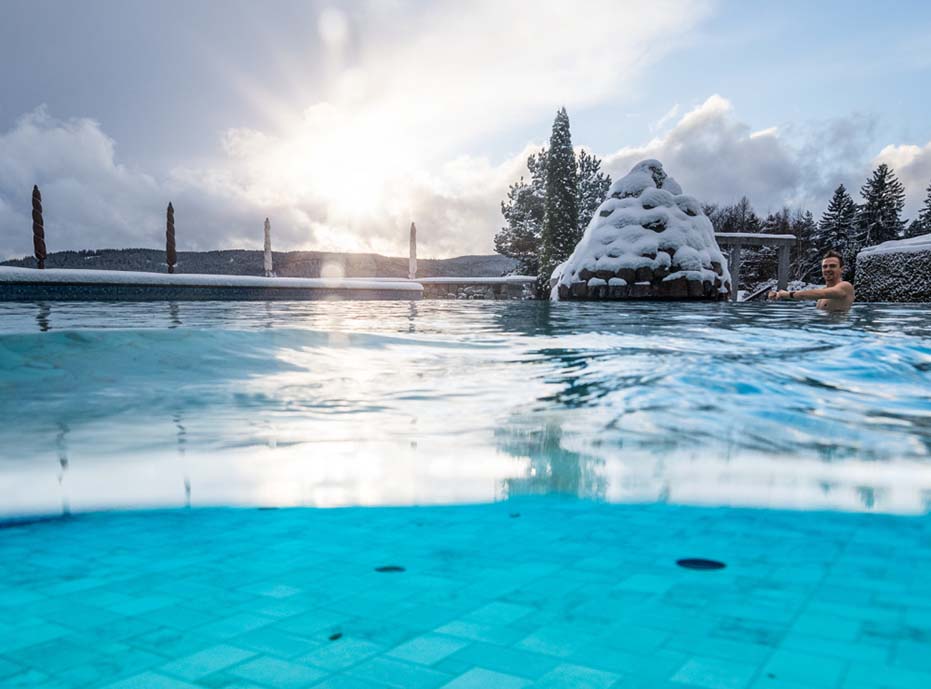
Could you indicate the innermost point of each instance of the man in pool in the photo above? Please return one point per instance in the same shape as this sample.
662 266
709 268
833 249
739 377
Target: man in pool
837 295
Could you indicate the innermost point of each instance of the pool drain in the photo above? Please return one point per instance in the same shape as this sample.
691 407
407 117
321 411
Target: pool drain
389 568
700 563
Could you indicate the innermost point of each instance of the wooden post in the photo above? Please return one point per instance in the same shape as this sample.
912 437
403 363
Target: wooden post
733 266
782 276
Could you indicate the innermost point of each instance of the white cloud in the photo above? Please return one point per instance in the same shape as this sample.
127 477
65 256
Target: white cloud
91 200
410 86
667 117
86 192
912 165
718 158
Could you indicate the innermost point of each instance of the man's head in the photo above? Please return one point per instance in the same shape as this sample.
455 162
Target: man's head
832 268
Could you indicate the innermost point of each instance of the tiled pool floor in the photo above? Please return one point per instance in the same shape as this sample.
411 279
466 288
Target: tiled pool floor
543 593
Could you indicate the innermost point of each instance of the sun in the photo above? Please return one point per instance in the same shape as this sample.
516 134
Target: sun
354 163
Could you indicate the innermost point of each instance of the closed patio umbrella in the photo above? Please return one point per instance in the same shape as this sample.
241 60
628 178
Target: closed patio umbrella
171 255
268 249
412 262
38 228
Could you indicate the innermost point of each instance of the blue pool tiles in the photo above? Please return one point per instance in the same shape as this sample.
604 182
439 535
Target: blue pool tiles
570 594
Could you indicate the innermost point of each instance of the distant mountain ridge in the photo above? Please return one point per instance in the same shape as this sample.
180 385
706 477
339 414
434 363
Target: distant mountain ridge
305 264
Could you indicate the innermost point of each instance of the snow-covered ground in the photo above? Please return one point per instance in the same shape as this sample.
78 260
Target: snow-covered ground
647 240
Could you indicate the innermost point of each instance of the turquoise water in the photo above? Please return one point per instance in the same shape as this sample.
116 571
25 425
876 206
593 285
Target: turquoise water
535 471
776 406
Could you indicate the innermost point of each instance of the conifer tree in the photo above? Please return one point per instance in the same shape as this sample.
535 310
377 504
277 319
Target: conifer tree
922 224
880 215
561 210
741 217
522 234
523 209
805 255
593 185
737 218
837 228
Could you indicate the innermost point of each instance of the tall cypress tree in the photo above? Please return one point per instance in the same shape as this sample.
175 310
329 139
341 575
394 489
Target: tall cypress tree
880 215
561 211
838 225
922 224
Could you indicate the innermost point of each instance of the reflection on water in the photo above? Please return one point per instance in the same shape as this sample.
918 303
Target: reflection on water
430 402
60 442
553 469
42 316
182 442
174 314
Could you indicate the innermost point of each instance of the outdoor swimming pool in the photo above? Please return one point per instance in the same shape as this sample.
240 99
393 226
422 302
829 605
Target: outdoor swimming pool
535 469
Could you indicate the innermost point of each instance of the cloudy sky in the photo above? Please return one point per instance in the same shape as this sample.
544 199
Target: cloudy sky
343 121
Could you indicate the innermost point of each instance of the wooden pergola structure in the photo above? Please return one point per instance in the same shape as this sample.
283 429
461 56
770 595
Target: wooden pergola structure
734 241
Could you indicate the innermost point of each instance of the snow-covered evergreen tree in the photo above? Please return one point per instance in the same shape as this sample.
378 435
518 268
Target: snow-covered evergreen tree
838 224
741 217
561 210
522 234
806 258
521 237
880 215
593 185
922 224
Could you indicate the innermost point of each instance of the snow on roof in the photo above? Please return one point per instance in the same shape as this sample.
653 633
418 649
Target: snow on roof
646 222
896 246
126 277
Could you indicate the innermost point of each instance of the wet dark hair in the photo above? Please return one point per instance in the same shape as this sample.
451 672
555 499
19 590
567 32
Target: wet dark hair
834 254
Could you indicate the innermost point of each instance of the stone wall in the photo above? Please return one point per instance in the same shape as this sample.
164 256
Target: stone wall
902 276
449 290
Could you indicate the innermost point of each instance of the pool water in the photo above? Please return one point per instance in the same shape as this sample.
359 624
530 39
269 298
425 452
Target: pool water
532 471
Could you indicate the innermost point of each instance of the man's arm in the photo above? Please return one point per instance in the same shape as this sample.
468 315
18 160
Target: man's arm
841 290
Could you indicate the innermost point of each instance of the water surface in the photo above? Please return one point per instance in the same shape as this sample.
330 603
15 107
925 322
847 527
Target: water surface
434 402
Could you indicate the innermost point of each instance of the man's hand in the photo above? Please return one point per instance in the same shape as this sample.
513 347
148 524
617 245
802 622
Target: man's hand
776 296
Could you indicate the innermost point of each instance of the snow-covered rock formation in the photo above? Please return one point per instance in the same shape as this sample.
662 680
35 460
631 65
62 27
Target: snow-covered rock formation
647 240
899 270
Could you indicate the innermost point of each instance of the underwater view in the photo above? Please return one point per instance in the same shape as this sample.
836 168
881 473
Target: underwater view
524 494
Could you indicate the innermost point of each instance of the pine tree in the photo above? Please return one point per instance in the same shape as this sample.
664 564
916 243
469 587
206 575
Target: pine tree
520 238
561 210
838 225
593 185
740 218
838 230
737 218
761 263
805 257
922 224
880 215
